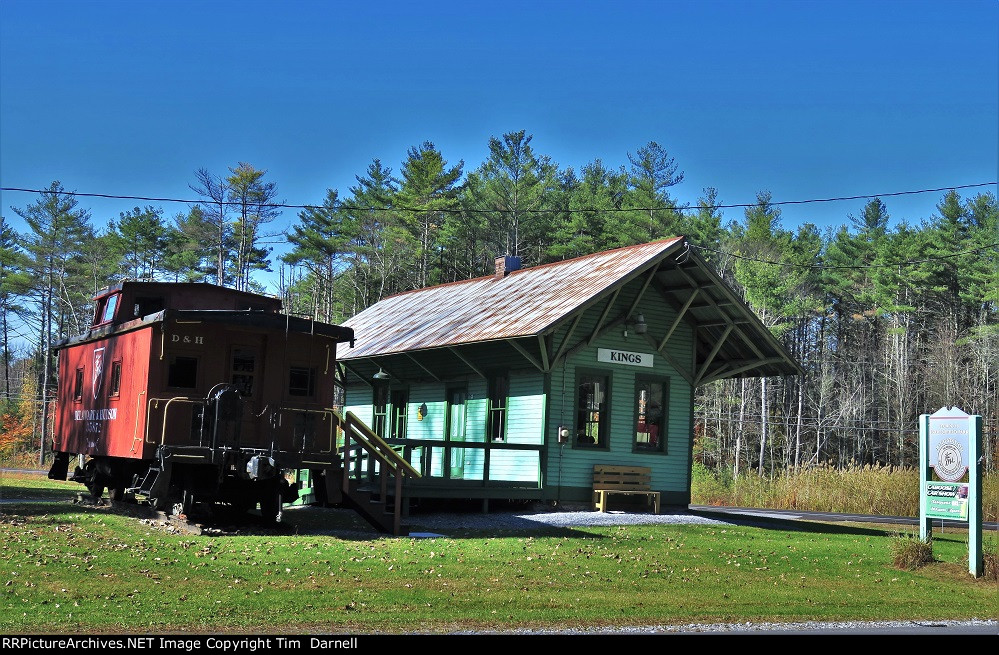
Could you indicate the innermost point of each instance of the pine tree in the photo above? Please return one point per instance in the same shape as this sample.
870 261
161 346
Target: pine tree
322 241
383 247
139 240
214 212
516 185
191 254
255 202
57 230
653 171
594 221
14 285
428 192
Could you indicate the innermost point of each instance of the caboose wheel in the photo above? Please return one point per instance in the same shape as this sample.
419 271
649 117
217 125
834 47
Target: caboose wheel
116 492
92 479
187 502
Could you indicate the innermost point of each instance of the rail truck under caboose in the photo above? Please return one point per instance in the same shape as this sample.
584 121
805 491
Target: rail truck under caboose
184 393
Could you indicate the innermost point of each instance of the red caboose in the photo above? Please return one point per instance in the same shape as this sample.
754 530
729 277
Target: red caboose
184 392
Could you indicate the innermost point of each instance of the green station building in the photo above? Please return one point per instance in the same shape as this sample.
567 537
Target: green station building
515 385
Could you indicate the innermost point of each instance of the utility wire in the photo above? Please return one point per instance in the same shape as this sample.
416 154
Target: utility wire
826 267
349 207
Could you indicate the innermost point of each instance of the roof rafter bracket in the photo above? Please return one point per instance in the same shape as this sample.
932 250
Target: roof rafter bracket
568 337
597 329
683 372
544 345
728 371
528 356
711 356
357 373
425 369
679 318
651 275
456 353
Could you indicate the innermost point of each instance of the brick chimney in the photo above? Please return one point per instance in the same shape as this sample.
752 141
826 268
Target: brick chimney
506 265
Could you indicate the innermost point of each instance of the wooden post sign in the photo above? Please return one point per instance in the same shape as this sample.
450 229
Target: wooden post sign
950 446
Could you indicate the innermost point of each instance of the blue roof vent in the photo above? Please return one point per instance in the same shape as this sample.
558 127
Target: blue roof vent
506 265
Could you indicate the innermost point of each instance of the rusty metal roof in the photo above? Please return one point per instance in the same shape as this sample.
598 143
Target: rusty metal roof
523 303
729 339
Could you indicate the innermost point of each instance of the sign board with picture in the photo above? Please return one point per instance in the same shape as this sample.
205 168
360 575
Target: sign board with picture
950 476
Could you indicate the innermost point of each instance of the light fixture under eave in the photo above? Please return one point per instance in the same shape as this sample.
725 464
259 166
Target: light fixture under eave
380 375
638 322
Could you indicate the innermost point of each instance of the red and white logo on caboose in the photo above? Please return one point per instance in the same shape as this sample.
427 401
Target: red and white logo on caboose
98 369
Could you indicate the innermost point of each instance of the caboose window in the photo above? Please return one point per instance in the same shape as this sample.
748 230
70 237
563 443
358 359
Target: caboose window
183 372
115 389
243 368
302 381
146 305
110 305
78 385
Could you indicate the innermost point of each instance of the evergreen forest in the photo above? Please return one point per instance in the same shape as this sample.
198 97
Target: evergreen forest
890 316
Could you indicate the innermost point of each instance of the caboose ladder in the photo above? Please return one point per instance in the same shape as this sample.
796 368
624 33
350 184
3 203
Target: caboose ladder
155 485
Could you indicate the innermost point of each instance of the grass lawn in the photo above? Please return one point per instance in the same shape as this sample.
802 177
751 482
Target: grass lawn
75 569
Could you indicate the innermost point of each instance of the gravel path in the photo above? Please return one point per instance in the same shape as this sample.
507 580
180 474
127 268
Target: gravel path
568 518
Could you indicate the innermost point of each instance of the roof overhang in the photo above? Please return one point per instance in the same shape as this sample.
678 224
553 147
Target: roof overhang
729 339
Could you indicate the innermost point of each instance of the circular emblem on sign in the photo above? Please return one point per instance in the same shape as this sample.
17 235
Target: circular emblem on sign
950 464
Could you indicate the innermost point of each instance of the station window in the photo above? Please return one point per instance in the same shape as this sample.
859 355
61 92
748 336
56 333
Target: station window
399 408
78 385
302 381
182 372
651 402
114 389
592 419
379 407
499 394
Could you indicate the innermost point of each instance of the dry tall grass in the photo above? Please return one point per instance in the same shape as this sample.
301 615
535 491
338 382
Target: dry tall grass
882 491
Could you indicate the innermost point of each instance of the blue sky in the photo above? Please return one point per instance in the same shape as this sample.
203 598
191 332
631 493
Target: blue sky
803 99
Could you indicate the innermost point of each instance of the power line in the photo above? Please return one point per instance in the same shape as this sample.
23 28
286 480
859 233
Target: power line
910 262
349 207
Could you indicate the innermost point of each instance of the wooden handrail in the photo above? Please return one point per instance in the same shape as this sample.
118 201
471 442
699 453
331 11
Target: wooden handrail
374 444
392 463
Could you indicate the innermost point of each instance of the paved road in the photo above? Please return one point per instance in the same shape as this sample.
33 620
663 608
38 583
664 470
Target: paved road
831 517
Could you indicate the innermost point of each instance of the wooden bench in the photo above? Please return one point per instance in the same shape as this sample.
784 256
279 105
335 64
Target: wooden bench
624 480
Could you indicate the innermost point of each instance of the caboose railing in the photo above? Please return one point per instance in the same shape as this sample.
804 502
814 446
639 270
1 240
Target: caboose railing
373 471
360 440
154 404
321 440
